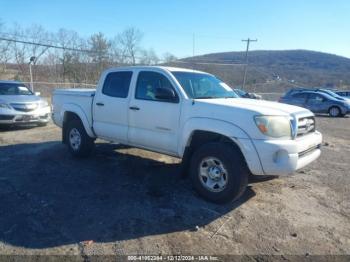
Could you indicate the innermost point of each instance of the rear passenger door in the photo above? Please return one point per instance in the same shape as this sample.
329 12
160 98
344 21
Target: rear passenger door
110 108
298 99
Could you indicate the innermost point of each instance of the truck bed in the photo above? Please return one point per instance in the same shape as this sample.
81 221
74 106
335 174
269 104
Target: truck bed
75 91
78 98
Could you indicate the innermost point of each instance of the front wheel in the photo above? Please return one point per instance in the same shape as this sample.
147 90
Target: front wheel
218 172
334 111
78 141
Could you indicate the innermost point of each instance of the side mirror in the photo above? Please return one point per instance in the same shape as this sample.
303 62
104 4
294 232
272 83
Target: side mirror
37 93
165 94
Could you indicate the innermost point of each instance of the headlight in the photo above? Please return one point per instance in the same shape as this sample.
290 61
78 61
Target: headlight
4 105
346 104
274 126
43 103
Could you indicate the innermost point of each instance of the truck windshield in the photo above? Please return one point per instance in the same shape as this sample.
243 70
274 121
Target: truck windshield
10 89
203 86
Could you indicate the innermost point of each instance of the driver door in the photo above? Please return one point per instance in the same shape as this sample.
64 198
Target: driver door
317 103
153 123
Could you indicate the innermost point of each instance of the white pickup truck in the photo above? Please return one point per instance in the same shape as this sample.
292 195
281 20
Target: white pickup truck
194 116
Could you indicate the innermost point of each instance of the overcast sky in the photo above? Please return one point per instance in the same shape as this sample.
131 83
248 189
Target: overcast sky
218 25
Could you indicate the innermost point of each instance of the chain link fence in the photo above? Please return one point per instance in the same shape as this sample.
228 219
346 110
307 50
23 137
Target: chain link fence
46 89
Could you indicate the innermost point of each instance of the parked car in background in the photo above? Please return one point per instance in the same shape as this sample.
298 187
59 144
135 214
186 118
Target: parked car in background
332 93
317 102
243 94
345 94
320 90
19 105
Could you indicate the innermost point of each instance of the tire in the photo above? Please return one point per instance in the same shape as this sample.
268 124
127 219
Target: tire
214 160
334 111
42 124
80 144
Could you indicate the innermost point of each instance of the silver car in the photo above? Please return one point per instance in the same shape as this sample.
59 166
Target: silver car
318 102
19 105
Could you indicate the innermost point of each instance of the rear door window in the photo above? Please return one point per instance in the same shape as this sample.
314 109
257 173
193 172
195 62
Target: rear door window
117 84
316 98
300 96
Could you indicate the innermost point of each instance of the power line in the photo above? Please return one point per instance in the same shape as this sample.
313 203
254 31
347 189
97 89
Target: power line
246 59
198 61
47 45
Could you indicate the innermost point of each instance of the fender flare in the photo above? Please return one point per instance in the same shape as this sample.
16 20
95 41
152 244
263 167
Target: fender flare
73 108
221 127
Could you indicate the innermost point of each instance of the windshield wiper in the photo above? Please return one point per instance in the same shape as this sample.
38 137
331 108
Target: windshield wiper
214 97
205 97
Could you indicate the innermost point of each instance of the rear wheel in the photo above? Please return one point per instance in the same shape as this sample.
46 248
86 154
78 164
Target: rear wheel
80 144
334 111
218 172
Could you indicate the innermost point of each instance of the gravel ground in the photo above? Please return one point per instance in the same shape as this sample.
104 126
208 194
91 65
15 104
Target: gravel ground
128 201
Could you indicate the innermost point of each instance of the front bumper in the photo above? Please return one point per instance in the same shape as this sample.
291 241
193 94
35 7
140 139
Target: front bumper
284 157
13 117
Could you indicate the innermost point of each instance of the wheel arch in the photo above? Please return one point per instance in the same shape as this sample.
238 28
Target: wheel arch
70 112
207 131
208 126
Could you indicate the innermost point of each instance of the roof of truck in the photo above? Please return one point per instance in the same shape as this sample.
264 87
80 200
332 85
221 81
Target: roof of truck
177 69
167 68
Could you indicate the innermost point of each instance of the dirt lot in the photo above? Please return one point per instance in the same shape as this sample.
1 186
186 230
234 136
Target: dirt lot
128 201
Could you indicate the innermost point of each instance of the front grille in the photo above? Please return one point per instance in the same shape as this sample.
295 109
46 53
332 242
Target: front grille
24 107
26 118
6 117
306 125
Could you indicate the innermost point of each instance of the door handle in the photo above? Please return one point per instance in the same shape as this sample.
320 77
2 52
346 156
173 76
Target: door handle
134 108
100 104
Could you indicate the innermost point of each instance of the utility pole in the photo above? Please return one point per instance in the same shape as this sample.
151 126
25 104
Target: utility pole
193 49
193 44
246 59
31 61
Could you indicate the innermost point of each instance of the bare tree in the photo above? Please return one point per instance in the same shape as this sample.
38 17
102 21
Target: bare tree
19 52
99 45
100 48
76 59
4 51
168 58
129 41
68 39
37 34
118 53
149 57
